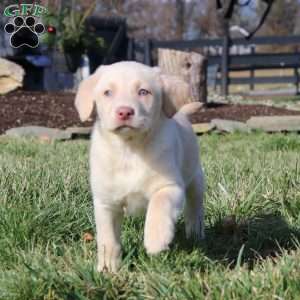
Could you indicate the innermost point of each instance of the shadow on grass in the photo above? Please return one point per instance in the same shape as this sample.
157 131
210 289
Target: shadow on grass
262 236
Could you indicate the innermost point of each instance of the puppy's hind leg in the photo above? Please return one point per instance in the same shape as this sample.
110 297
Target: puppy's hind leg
194 208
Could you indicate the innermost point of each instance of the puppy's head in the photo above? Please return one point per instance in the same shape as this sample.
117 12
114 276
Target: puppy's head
130 97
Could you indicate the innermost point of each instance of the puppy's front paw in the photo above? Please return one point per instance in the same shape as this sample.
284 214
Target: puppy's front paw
158 236
109 258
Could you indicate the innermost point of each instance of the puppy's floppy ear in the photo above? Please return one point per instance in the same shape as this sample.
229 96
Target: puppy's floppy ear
84 101
175 93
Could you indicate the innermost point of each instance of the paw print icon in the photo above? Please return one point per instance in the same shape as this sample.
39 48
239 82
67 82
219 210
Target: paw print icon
24 31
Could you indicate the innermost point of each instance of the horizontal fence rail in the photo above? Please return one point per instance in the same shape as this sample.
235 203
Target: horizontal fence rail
200 43
260 80
259 61
228 62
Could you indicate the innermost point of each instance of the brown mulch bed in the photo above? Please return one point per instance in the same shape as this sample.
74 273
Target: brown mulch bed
239 112
56 110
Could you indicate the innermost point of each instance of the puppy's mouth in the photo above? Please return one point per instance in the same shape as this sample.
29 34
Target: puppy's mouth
125 128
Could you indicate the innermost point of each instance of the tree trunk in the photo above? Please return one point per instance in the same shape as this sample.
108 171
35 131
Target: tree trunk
189 66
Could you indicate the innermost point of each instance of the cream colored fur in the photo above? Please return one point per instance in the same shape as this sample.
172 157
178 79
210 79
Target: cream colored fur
147 165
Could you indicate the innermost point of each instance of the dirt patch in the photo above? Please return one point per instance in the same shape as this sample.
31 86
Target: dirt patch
239 112
21 108
56 110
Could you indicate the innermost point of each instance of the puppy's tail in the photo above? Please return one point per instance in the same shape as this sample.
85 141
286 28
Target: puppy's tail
189 109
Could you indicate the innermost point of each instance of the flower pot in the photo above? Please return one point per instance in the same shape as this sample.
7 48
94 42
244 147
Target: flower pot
73 60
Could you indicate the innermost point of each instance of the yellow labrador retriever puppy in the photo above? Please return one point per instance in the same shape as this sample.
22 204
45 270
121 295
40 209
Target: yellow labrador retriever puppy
140 159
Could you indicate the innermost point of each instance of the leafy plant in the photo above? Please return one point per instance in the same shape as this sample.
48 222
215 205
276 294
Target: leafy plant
71 34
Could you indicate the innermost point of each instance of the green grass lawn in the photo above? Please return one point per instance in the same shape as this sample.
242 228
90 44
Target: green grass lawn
252 249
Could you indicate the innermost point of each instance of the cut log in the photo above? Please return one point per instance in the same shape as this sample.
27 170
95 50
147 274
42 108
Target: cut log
189 66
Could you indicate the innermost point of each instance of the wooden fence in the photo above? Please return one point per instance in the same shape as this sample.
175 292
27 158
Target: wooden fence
226 61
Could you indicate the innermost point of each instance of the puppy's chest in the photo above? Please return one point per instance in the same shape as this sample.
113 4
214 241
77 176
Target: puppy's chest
128 178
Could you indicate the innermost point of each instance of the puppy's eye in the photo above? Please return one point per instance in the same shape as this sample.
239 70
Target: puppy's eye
108 93
143 92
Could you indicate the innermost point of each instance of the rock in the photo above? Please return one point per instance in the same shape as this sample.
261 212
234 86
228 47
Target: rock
230 126
79 131
11 76
275 123
201 128
45 139
43 133
294 106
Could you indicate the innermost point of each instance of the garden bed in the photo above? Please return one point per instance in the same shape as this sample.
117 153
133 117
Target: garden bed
56 110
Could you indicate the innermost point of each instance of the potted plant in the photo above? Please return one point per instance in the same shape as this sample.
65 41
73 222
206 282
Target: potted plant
68 32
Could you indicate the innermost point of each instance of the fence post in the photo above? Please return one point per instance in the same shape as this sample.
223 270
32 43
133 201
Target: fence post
147 53
225 61
130 50
296 73
252 71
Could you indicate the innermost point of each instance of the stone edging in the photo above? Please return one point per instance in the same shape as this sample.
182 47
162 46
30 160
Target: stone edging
267 124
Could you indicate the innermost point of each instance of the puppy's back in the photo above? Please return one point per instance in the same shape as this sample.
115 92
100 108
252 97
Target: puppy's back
188 140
